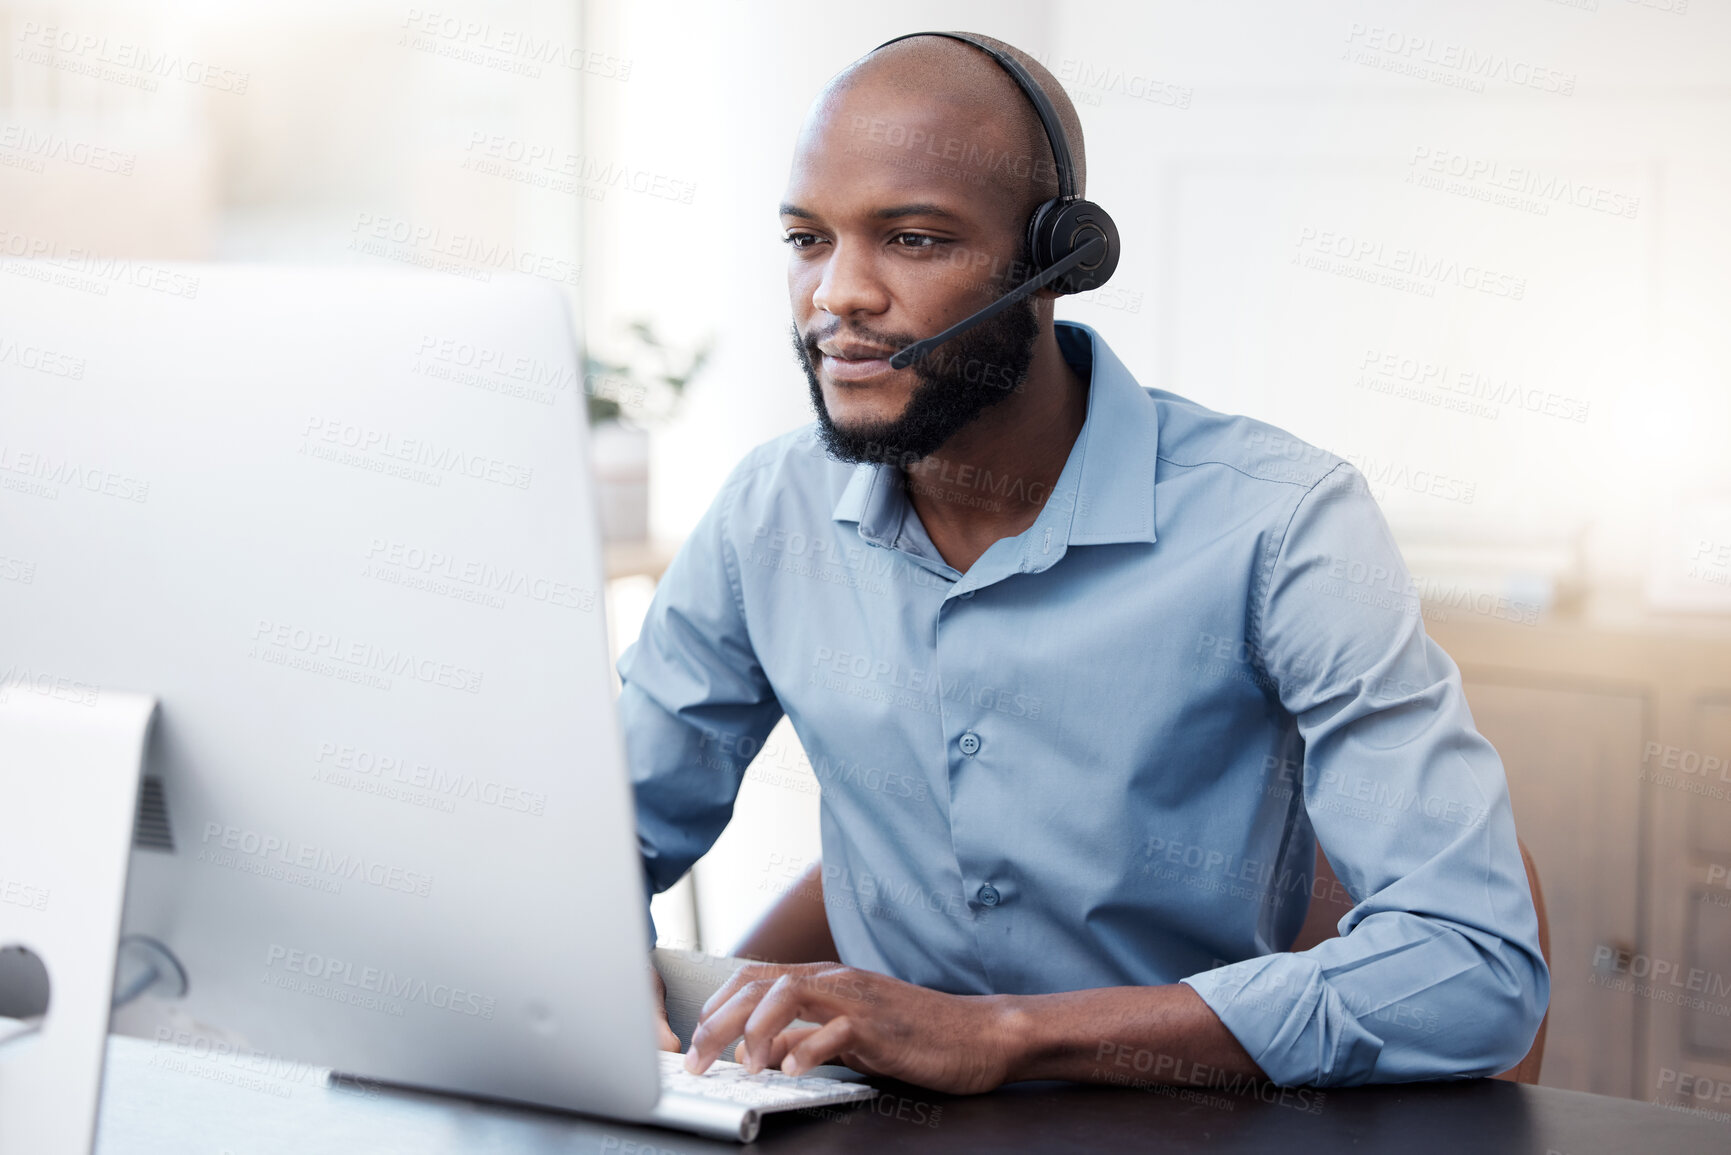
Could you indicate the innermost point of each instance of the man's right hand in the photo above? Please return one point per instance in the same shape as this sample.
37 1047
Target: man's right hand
666 1040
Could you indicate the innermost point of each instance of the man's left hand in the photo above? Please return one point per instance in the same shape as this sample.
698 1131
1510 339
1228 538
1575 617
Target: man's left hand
959 1044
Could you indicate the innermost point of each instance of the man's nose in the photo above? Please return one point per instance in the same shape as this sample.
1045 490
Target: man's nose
850 283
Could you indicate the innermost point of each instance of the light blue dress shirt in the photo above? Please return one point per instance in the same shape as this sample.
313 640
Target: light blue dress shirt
1104 755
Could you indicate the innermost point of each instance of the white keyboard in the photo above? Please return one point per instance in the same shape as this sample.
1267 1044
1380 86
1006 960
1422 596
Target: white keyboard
769 1090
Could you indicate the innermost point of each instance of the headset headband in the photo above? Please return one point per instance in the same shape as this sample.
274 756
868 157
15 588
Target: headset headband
1036 97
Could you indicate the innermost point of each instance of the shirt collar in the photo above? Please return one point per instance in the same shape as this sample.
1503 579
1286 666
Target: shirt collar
1105 493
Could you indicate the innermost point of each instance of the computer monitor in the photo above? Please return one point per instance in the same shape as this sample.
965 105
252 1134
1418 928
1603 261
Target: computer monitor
340 523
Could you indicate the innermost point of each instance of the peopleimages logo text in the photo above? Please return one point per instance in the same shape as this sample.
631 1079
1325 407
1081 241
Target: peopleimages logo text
320 859
379 981
275 640
440 459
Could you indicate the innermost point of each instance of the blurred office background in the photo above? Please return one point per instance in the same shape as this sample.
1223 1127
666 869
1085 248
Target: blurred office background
1479 248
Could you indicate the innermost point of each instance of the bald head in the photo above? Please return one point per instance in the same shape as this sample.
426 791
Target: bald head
980 127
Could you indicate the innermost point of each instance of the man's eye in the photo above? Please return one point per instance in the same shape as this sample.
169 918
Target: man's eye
916 241
797 240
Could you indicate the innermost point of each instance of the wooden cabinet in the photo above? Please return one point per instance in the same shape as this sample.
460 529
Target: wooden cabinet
1567 754
1617 744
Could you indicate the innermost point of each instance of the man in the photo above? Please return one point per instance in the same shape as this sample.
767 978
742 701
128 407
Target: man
1119 656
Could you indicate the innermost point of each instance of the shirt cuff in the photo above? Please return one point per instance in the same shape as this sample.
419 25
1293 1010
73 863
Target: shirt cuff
1296 1026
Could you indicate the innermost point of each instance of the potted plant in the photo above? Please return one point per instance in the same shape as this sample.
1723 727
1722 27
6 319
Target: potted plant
626 397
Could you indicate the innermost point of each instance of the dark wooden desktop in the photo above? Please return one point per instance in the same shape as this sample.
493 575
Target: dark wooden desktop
157 1100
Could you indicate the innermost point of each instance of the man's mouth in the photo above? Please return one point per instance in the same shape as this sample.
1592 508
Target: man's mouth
849 362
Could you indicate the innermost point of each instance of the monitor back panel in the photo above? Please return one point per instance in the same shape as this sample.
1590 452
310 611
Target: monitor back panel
340 523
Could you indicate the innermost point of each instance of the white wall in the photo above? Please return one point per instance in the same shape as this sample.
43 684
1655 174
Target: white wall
1285 134
309 116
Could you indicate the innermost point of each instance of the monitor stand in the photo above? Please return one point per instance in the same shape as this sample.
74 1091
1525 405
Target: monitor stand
70 763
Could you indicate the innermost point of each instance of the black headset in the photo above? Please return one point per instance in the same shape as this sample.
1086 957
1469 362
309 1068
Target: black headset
1073 241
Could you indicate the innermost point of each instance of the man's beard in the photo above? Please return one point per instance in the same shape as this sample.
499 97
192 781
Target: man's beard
957 381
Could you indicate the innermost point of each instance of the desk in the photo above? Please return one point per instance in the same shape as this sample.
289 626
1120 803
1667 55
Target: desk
150 1109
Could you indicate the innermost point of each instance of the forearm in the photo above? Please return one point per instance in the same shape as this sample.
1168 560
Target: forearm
1157 1034
1164 1034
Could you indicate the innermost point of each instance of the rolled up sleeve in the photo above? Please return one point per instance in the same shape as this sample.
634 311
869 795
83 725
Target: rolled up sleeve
1437 972
695 701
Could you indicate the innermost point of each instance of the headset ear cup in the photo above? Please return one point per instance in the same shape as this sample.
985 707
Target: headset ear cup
1058 228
